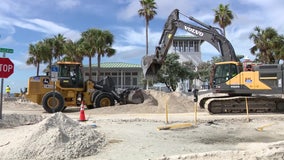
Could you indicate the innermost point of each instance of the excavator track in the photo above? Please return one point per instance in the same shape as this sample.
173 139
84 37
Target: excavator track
238 104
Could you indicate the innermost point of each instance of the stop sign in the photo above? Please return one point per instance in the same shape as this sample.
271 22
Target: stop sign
6 67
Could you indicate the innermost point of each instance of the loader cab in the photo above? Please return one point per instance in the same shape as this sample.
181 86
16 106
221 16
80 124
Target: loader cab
70 75
224 71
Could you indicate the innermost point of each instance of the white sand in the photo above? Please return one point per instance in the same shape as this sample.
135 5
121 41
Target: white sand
130 132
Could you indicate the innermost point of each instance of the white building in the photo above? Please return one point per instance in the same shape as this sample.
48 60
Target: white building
188 49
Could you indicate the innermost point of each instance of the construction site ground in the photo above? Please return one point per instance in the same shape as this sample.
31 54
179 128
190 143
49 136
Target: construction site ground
140 131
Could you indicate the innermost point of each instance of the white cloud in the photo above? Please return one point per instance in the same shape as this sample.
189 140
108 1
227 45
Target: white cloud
44 26
130 36
130 11
6 40
47 27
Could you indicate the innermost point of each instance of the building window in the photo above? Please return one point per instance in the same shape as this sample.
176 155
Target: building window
114 80
191 43
134 81
180 46
185 46
196 46
128 81
175 44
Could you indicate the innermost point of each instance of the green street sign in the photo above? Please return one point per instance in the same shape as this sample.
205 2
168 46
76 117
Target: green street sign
6 50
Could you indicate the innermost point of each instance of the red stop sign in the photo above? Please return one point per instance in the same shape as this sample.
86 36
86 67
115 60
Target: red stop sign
6 67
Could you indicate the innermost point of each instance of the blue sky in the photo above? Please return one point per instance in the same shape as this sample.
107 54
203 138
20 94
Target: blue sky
24 22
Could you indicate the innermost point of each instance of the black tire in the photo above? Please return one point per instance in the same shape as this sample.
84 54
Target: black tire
103 100
90 106
63 108
53 102
93 97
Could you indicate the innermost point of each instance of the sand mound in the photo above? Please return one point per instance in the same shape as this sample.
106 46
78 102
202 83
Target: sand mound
59 137
15 120
155 102
176 102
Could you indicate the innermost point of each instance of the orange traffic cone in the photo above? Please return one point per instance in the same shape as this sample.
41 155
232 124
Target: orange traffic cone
82 112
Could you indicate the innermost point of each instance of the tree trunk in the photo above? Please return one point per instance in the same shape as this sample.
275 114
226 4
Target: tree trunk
147 25
90 68
224 31
99 66
37 69
50 63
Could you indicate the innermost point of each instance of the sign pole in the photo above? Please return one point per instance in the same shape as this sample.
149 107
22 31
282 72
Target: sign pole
1 100
4 51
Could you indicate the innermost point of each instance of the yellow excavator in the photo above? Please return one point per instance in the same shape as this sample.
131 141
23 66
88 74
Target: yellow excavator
260 86
67 87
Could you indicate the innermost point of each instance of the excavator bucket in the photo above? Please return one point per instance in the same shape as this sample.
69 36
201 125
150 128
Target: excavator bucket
150 66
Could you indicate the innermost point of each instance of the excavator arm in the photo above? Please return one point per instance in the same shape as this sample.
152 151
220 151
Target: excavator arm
151 64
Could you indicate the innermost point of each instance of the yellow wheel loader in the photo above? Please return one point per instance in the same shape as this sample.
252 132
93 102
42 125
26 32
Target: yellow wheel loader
67 88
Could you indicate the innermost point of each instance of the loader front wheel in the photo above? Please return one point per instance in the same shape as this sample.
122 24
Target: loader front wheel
93 98
103 100
53 102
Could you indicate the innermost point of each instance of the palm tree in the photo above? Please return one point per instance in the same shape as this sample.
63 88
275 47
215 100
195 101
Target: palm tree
87 46
58 46
48 51
223 16
95 41
35 57
265 44
148 12
72 52
103 47
278 45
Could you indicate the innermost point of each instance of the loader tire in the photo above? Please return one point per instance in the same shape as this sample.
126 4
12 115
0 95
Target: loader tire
53 102
103 100
93 98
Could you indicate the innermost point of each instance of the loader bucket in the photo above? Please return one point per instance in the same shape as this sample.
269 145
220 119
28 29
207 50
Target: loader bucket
150 66
132 96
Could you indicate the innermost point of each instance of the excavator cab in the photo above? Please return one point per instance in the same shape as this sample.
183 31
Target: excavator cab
223 71
222 75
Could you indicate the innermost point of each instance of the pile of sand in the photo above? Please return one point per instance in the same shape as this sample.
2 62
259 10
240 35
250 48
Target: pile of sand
176 102
57 137
15 120
155 102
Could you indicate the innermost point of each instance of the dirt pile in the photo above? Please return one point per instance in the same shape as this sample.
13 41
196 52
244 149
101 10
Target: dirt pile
155 102
57 137
175 101
15 120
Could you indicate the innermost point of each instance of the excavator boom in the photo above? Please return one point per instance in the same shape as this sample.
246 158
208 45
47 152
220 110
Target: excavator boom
151 64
